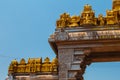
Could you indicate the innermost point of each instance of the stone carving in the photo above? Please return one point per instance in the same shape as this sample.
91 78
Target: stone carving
108 34
61 36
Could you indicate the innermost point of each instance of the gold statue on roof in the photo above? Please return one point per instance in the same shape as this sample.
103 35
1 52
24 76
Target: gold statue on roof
101 20
87 17
54 64
110 18
33 65
74 21
46 65
116 5
63 21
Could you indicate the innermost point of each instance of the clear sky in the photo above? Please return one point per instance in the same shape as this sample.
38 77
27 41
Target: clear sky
25 26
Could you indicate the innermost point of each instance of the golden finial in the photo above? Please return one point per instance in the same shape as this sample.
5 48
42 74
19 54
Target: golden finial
22 62
87 7
64 16
14 62
46 60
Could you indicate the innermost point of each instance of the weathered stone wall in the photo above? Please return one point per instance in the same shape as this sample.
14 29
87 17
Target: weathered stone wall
65 59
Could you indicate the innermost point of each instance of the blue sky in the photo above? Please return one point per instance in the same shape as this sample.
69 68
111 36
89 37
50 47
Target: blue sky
25 26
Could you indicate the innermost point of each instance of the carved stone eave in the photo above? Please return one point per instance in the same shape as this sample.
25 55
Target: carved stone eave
53 43
101 50
89 43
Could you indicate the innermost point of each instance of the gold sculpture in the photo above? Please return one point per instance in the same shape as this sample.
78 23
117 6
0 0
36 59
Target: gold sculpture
54 64
101 20
46 65
87 17
13 66
116 5
27 70
63 21
110 18
22 65
38 64
74 21
33 65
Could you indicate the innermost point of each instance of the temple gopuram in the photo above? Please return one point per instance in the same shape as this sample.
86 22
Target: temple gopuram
77 42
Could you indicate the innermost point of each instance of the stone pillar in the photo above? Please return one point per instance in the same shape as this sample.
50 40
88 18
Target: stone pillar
71 57
72 63
65 60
